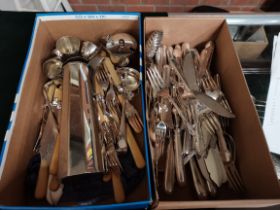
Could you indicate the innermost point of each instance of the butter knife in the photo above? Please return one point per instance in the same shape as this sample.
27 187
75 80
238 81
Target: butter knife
189 78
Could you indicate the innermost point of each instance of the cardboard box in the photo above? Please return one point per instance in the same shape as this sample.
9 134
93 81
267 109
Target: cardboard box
25 119
253 157
253 47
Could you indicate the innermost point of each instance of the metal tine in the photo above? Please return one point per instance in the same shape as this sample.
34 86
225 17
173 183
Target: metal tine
204 85
102 79
152 81
188 111
138 120
188 108
157 78
193 112
181 103
235 184
133 117
115 104
207 84
113 109
232 166
212 123
135 123
235 181
233 175
231 181
236 177
209 126
212 83
113 159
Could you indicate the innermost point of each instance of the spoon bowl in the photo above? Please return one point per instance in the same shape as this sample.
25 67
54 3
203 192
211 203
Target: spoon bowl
52 68
68 45
129 78
89 50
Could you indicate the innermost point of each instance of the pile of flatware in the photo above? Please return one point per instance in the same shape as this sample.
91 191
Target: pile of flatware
188 115
89 96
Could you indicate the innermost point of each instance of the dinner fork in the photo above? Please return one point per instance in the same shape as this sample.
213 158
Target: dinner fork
112 160
233 175
114 165
102 79
131 114
155 79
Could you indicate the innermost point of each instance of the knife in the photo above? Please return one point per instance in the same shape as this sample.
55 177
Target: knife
189 78
46 149
189 72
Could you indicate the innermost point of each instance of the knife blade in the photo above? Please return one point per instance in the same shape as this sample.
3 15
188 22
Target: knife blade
213 105
190 79
189 72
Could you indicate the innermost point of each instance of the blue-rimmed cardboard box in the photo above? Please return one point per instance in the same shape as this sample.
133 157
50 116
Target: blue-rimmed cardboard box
27 112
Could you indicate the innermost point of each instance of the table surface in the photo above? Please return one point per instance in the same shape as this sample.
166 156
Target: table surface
16 29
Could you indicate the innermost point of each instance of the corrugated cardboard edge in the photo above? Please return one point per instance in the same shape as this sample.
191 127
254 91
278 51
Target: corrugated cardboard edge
222 204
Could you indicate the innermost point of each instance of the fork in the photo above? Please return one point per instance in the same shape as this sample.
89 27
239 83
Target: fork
212 88
102 79
111 158
133 117
122 143
228 155
232 172
155 79
112 101
114 165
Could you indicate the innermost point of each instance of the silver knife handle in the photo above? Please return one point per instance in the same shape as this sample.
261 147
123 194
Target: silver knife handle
187 143
199 182
179 166
210 185
169 173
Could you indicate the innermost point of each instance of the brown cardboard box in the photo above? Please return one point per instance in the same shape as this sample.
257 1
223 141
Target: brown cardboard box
251 49
28 113
253 157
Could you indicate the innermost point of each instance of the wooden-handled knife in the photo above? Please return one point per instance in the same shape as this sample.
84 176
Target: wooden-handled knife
46 149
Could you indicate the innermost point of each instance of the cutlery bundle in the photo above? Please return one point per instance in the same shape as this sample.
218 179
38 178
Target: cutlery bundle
89 120
188 118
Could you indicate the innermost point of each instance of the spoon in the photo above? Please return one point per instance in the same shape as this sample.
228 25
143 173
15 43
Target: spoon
89 50
121 44
130 78
52 68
